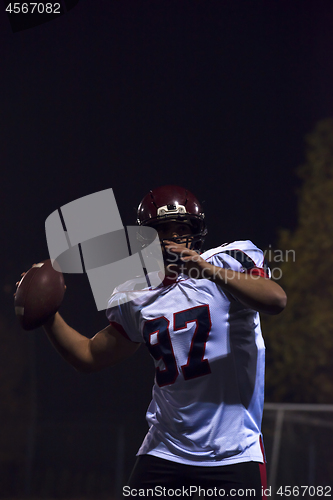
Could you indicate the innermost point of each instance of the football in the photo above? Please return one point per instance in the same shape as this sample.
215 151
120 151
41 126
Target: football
39 295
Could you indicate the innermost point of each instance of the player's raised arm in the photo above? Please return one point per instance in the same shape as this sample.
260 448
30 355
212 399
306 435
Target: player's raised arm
255 292
106 348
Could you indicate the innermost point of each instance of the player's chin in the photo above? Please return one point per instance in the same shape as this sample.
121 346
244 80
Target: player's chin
175 268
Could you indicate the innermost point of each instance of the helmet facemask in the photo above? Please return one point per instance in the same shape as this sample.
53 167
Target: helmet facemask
193 239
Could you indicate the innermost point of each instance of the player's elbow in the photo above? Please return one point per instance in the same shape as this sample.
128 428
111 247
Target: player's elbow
86 369
81 366
85 364
278 302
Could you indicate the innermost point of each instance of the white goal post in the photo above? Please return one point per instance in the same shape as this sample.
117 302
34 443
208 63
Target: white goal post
303 414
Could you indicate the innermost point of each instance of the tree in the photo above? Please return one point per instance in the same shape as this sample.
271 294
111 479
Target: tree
300 340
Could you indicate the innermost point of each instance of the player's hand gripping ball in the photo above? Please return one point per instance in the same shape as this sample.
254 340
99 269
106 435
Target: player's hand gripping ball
39 295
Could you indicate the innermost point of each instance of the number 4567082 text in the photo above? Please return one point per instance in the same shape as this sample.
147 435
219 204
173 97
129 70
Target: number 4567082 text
33 8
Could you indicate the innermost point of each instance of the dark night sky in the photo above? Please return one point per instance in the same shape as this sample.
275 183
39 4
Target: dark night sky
213 95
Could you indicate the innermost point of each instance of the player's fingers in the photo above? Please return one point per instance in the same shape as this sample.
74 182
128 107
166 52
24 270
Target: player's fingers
20 279
176 247
22 274
190 254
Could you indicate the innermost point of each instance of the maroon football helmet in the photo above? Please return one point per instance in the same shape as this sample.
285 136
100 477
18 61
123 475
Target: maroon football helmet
173 203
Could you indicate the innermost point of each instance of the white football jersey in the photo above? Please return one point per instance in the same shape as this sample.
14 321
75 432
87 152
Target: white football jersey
208 350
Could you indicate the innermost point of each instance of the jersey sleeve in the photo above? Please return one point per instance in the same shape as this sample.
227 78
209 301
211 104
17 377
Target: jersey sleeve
240 256
122 316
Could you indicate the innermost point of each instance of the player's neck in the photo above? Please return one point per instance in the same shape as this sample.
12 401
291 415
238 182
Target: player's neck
172 271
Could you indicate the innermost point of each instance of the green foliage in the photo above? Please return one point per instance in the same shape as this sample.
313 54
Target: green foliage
300 340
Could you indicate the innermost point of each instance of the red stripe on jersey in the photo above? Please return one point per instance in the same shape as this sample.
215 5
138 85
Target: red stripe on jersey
120 330
263 475
169 281
263 478
257 271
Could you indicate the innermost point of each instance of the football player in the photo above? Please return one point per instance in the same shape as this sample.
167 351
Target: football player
201 326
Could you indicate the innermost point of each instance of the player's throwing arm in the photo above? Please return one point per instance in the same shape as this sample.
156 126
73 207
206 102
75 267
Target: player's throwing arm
37 299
